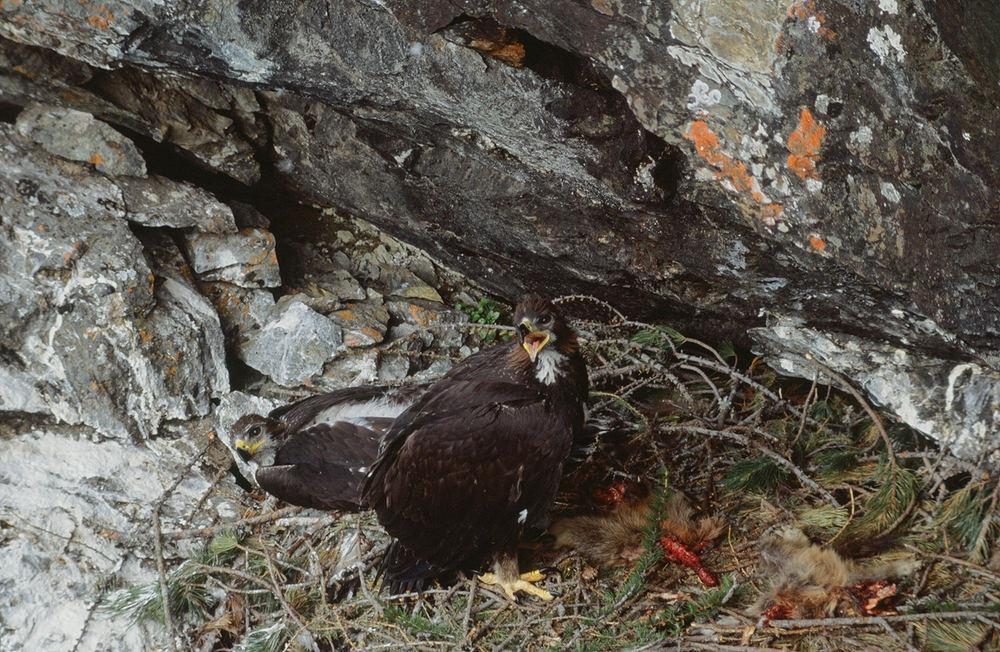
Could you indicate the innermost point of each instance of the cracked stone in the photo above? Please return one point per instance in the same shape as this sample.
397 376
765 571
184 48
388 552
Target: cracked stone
79 136
246 258
364 324
158 201
294 344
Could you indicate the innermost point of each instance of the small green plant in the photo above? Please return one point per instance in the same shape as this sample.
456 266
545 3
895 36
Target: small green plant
487 312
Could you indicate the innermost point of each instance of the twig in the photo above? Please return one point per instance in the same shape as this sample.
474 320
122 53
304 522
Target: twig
272 573
215 529
890 451
368 594
168 620
805 409
720 647
873 620
803 478
888 628
221 473
850 518
976 568
468 609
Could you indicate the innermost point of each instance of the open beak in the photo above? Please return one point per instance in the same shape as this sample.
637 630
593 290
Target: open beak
247 450
533 341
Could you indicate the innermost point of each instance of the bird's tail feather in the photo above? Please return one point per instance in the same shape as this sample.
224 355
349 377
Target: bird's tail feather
401 572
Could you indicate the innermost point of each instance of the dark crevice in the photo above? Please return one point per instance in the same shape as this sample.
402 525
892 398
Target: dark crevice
635 162
8 112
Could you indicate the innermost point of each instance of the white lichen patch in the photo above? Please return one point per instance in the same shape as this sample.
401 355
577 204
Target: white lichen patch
889 192
862 136
886 43
702 96
888 6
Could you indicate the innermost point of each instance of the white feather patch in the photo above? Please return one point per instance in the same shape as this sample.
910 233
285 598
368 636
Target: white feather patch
548 365
359 412
522 516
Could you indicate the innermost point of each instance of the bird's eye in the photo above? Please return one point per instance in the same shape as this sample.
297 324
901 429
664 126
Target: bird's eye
545 320
255 431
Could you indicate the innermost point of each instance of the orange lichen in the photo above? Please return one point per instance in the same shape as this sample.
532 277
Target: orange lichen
30 74
96 159
808 9
346 315
422 316
804 144
818 243
706 143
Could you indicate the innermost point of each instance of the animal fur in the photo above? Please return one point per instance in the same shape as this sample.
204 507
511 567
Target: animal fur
808 581
614 538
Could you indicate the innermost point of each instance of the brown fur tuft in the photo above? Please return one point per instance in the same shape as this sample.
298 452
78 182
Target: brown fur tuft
812 582
614 538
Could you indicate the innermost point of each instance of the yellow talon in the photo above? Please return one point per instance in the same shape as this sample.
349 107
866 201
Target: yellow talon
523 584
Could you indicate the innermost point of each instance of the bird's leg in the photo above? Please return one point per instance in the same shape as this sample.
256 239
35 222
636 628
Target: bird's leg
508 577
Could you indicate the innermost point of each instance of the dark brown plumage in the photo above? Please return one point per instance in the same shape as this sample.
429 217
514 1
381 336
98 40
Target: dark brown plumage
479 456
316 452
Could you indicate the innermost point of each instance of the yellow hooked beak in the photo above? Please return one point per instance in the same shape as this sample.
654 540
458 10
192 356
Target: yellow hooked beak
534 341
249 448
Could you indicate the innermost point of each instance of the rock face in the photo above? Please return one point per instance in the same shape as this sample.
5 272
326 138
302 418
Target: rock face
718 165
90 335
814 179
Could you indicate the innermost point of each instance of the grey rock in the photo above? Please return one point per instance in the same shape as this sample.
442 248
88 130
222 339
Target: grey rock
691 162
158 201
363 324
294 344
246 258
352 367
90 336
393 367
955 403
76 512
78 136
241 311
312 271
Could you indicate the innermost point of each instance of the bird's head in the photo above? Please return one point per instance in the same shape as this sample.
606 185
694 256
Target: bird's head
255 439
539 326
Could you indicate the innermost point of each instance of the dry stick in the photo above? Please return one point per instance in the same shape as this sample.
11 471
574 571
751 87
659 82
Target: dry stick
722 648
502 608
782 461
319 524
368 594
989 622
215 529
873 620
276 588
704 376
850 518
468 609
168 620
976 568
891 453
805 409
888 628
204 496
